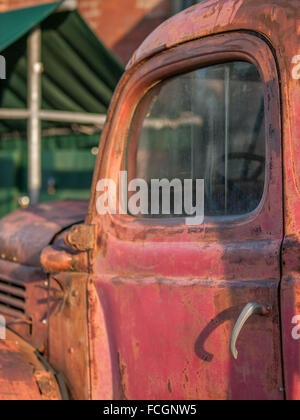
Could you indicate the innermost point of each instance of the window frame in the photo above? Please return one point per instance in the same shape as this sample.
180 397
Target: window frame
134 137
186 57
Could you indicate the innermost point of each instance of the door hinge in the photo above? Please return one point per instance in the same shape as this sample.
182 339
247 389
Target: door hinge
81 237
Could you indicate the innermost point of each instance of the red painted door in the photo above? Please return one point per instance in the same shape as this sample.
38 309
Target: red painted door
170 289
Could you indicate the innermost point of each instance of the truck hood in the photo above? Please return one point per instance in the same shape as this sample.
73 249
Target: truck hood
26 232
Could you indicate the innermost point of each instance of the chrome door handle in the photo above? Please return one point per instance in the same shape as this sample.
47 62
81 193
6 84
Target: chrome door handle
250 309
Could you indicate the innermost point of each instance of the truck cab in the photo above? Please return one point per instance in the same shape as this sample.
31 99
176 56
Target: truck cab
129 303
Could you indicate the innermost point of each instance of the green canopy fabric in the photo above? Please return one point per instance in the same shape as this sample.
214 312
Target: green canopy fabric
80 74
16 23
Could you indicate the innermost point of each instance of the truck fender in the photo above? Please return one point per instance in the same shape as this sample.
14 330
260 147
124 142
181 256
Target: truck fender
24 374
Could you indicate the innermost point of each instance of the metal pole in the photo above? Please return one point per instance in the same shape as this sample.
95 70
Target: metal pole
73 117
13 114
61 116
34 122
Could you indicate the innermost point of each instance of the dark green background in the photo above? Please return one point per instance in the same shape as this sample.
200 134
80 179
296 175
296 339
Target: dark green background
80 75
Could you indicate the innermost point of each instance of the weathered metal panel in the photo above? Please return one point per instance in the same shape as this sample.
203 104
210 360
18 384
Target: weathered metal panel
277 20
56 259
162 300
163 290
68 336
168 339
105 382
24 233
23 377
28 320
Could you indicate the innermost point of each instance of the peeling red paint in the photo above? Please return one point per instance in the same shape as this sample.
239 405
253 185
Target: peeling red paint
155 304
23 377
177 291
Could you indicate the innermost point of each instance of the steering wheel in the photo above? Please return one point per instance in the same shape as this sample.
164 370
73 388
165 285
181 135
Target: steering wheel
248 157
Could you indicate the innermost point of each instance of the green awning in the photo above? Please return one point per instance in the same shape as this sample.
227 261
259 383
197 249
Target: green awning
80 74
16 23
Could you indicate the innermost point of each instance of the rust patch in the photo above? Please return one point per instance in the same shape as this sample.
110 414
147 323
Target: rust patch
123 377
23 377
169 386
81 237
57 260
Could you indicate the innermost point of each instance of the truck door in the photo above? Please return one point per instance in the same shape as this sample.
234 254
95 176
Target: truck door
190 306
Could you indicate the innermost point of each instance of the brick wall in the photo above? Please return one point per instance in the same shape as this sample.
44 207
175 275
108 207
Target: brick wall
16 4
121 24
124 24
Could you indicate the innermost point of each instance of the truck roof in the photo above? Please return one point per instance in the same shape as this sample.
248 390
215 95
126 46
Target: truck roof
277 20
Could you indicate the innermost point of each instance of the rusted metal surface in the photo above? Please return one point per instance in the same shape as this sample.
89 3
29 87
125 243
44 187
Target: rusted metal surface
81 237
23 377
56 260
104 373
155 316
158 288
170 294
290 293
24 233
62 257
169 340
68 335
23 301
67 348
23 283
220 16
48 313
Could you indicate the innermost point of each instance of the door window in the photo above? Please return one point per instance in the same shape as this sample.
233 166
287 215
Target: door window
206 124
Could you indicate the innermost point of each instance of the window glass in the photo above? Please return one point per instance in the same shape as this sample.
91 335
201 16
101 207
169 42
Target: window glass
207 124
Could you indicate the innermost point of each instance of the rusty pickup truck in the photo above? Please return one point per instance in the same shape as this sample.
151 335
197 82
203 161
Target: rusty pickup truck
125 305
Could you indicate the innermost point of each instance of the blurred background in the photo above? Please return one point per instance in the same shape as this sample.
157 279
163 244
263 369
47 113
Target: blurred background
63 62
121 24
